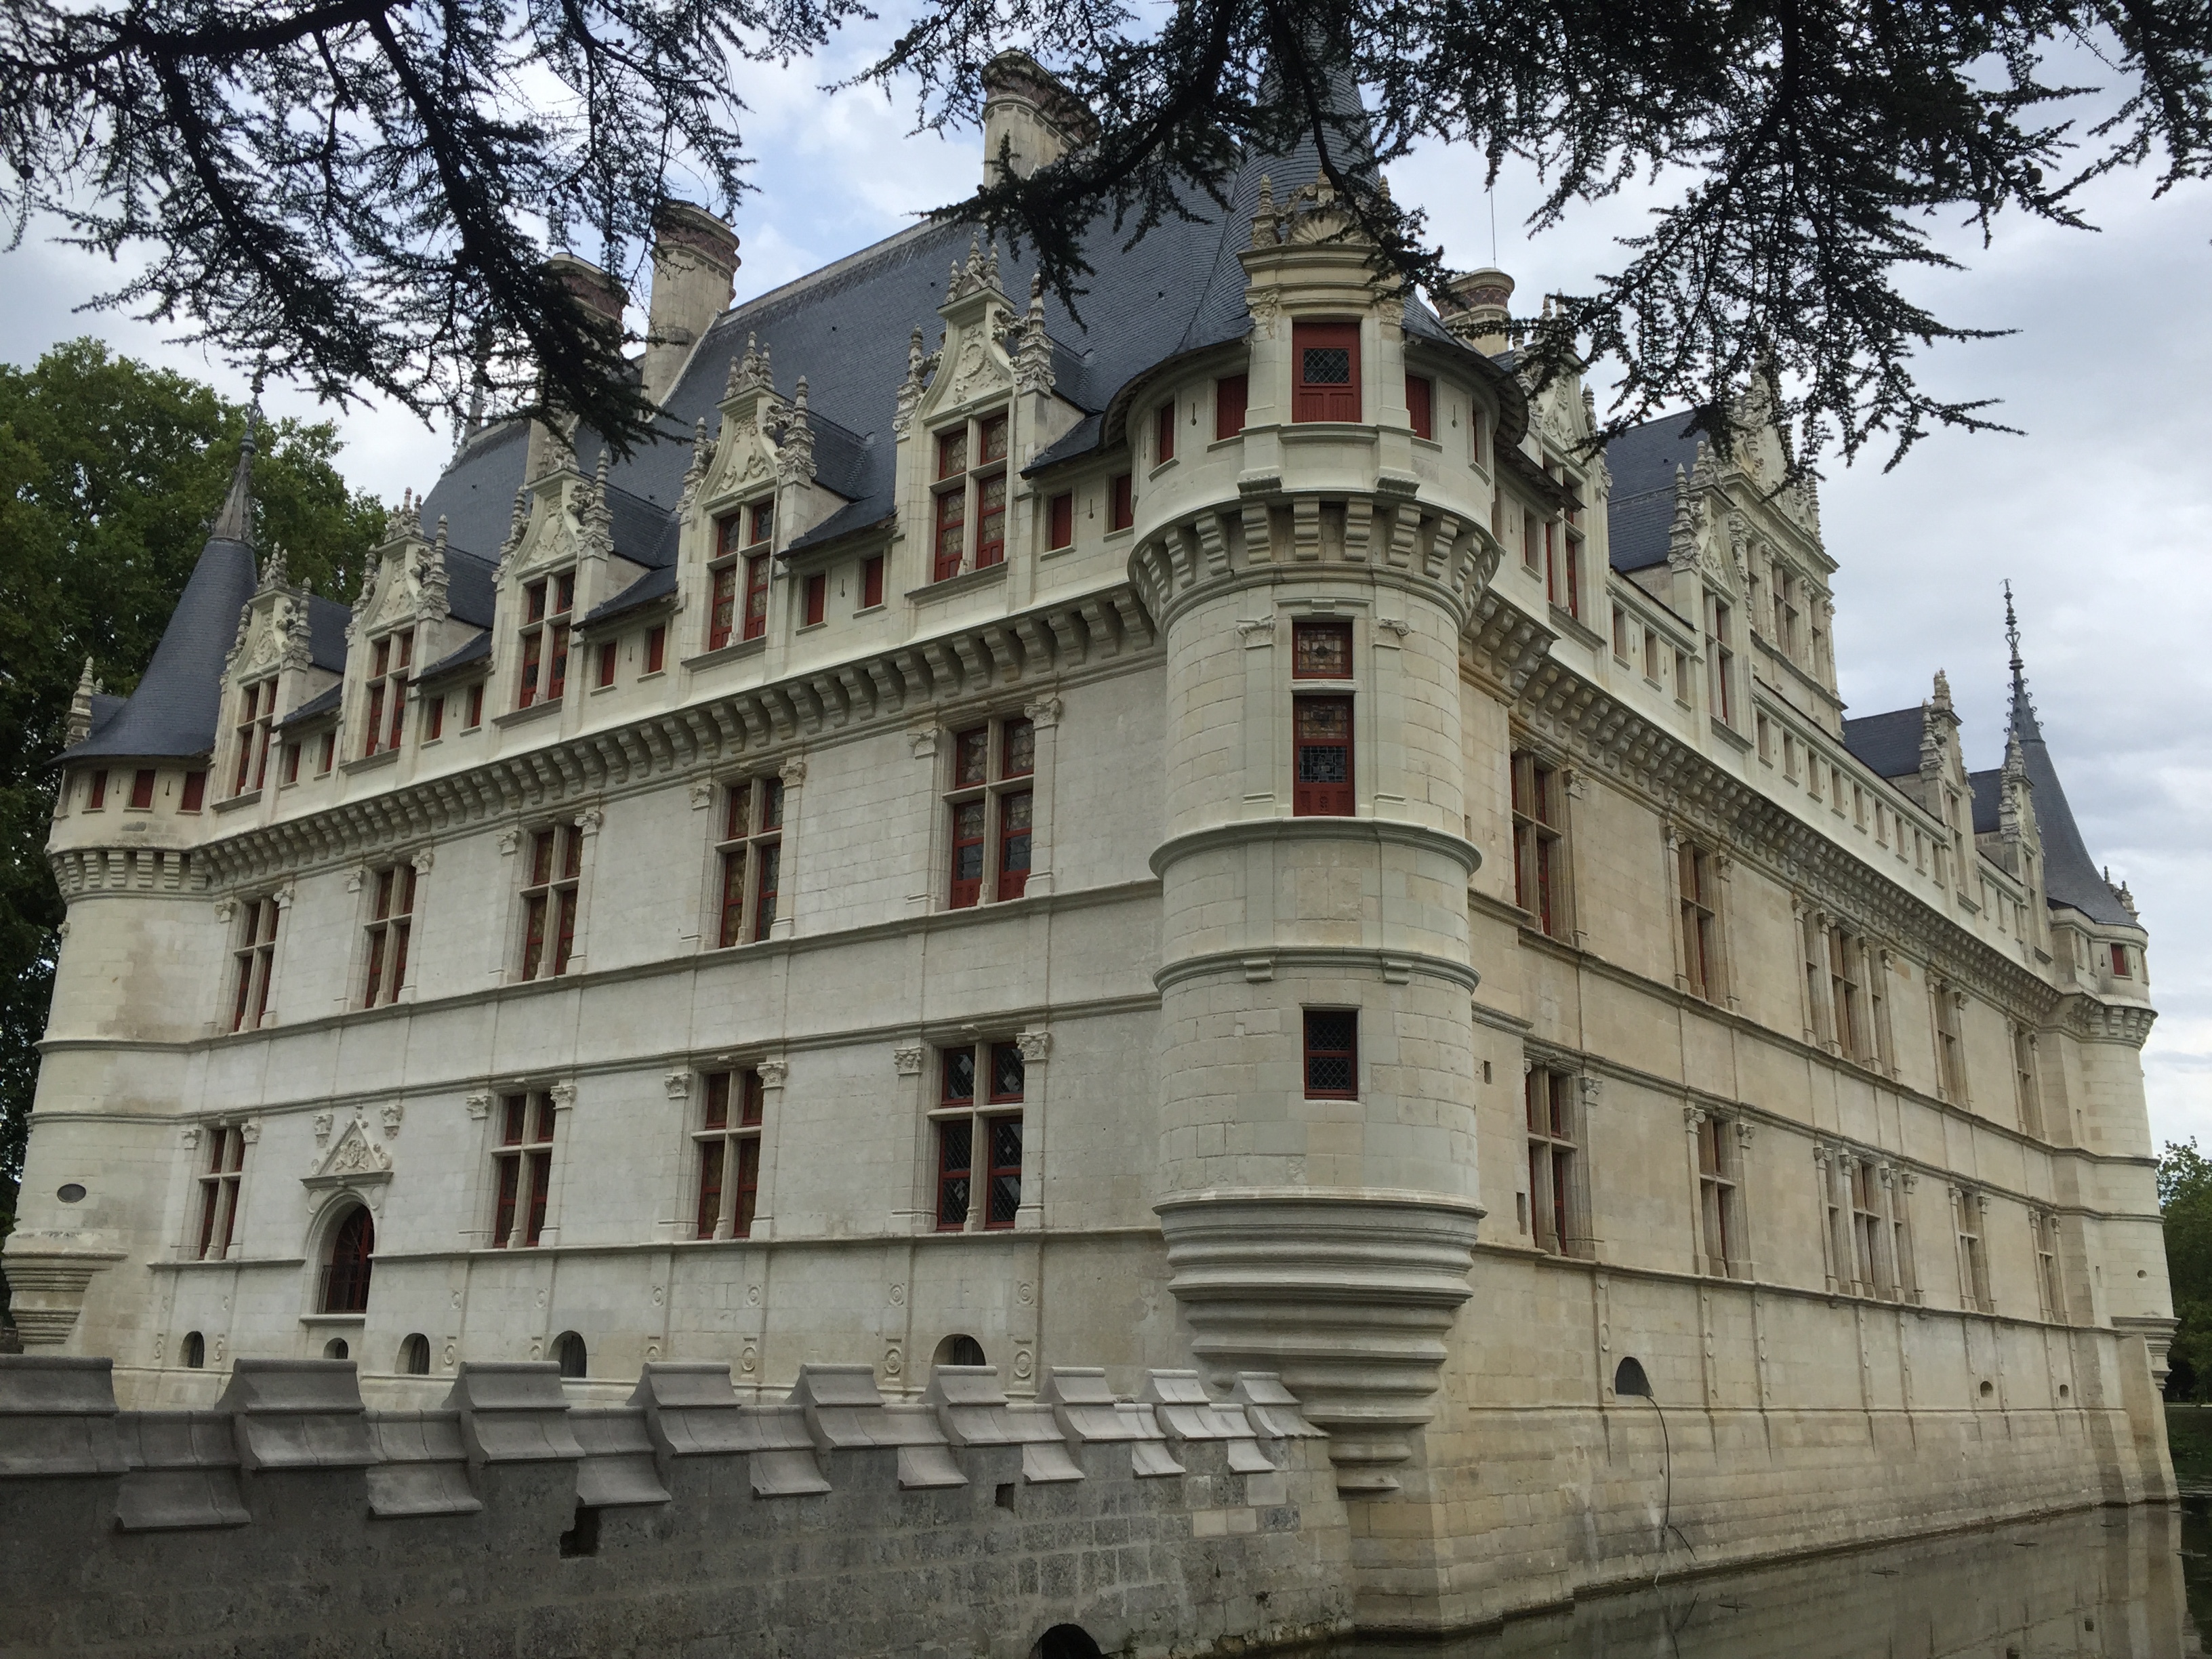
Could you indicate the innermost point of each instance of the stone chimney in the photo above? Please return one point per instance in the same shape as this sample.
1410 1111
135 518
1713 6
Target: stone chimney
1476 309
600 294
1028 113
695 267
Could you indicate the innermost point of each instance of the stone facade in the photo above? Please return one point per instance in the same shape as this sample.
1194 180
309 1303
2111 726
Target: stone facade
1255 849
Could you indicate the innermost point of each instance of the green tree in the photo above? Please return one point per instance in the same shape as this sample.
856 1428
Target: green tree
2185 1199
110 474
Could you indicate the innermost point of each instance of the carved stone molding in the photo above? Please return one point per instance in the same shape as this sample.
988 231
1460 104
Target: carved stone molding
1349 1296
909 1060
773 1073
678 1084
479 1107
1036 1047
393 1112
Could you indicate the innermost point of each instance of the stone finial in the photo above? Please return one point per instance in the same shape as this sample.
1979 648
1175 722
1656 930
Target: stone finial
1682 534
695 476
274 575
234 522
910 389
598 517
1032 351
1943 697
753 372
79 726
517 525
794 449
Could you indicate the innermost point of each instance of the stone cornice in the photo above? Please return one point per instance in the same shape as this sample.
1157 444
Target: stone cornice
1681 783
1240 832
1060 642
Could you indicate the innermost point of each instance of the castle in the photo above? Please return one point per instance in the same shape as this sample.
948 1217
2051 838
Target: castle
1218 835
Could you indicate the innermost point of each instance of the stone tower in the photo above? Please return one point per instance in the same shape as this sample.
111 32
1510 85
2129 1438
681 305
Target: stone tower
1316 1150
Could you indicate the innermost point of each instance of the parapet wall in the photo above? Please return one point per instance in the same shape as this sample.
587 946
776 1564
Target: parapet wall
290 1520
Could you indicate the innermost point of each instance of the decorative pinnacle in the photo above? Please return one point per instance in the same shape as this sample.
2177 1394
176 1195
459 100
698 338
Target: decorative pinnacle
235 522
2022 717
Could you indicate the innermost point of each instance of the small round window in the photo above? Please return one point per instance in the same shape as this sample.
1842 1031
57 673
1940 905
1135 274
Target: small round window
69 1192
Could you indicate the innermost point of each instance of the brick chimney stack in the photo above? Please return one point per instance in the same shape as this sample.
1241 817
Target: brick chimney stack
695 267
1476 309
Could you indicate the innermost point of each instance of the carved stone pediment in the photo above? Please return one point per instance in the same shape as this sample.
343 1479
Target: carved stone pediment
354 1159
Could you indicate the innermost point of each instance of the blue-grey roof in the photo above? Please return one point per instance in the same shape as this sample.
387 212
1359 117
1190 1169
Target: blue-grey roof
653 585
1640 512
327 633
325 701
172 714
1887 746
476 496
2070 876
1989 800
476 650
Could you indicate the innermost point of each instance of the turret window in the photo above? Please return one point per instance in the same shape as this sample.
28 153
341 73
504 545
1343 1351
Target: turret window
971 488
253 960
141 790
1322 758
1325 363
729 1142
195 795
1060 523
547 606
744 542
1231 395
1120 503
992 803
1331 1053
95 789
389 659
1420 405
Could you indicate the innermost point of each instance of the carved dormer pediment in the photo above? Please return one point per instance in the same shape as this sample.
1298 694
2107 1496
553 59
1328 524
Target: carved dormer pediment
353 1160
974 365
743 457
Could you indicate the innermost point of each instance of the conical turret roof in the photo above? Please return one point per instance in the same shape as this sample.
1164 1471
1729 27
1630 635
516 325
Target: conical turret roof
2070 876
173 714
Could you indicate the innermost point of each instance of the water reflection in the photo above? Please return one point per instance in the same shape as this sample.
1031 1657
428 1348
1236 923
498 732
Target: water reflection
2109 1583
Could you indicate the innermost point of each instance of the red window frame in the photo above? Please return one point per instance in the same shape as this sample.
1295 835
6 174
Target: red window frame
970 819
718 1137
1320 650
951 544
219 1191
95 788
1164 433
1321 788
1233 394
1331 1053
1002 1171
608 652
1120 503
476 709
142 789
1324 400
817 600
2120 962
1421 405
755 595
991 521
329 757
195 796
433 727
550 900
871 582
656 647
1059 522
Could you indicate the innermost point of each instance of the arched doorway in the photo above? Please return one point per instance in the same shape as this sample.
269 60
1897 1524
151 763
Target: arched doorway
345 1270
1065 1642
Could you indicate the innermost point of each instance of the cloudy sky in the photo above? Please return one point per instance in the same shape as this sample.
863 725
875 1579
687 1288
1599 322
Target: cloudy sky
2101 514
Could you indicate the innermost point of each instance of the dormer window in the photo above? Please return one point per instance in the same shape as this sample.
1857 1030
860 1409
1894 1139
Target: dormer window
1325 363
256 710
971 490
744 542
390 659
546 605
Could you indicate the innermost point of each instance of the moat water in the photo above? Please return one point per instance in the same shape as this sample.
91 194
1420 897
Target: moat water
2118 1583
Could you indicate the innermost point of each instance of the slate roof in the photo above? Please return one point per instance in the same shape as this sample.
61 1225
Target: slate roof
476 650
653 585
1887 746
2070 876
1989 800
1640 512
171 715
325 701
